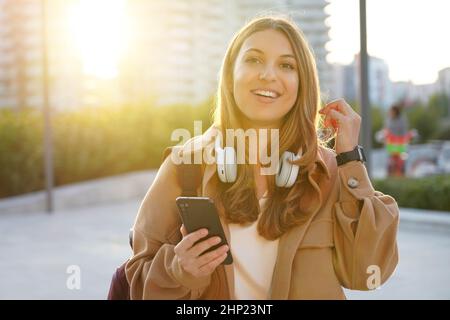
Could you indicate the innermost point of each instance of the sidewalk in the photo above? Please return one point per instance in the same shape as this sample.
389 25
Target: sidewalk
40 247
425 219
108 190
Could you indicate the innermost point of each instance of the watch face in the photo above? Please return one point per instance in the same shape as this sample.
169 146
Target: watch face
360 153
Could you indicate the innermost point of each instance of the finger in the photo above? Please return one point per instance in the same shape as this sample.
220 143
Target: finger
325 109
183 231
211 266
339 105
326 121
336 115
189 240
210 256
201 247
347 109
329 122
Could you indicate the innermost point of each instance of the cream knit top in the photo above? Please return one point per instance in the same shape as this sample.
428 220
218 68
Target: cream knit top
254 260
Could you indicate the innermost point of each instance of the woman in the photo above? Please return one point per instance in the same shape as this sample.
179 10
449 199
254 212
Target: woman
397 137
329 230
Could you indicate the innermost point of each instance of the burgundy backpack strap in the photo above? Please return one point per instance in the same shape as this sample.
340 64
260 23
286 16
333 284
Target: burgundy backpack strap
189 178
166 152
189 175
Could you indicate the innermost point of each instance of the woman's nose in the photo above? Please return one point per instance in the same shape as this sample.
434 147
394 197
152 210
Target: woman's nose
267 73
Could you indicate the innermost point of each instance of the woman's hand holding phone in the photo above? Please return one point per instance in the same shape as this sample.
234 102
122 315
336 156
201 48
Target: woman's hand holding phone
190 256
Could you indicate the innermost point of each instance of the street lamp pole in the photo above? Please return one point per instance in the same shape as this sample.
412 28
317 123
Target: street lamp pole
366 131
48 146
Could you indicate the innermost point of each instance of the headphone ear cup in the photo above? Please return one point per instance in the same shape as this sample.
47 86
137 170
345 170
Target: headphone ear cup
226 162
230 165
220 161
287 172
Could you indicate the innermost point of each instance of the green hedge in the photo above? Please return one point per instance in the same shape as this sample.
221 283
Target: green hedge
425 193
89 143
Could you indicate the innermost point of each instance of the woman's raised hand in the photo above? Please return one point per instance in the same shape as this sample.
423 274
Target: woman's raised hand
345 121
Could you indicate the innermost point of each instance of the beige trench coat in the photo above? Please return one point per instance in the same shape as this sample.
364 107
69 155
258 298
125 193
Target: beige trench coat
351 232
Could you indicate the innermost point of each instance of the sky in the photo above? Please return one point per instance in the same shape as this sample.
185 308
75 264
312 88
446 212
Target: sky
412 36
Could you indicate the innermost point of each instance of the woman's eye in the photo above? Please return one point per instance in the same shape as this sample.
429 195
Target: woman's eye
252 60
288 66
283 65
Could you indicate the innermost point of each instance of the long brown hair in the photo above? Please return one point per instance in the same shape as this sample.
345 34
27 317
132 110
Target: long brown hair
298 129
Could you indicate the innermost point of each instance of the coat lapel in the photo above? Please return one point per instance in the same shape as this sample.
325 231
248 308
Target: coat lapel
288 245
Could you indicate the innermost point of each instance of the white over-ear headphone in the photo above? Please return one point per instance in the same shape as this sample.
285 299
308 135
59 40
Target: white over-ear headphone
227 166
226 162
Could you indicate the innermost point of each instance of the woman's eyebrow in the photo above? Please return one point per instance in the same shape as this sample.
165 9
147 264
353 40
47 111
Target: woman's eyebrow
260 51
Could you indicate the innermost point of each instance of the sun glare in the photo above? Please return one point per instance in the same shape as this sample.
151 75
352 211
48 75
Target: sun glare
98 30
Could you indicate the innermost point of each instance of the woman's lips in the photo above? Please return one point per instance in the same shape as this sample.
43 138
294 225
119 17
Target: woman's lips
265 100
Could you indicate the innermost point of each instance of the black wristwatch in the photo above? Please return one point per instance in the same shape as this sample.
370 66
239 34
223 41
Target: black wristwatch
355 154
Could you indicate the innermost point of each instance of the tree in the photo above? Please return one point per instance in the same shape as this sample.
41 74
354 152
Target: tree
426 121
439 105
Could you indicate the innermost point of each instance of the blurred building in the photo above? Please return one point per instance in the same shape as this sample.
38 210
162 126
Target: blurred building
343 82
409 93
21 66
444 81
380 86
346 82
173 55
21 48
382 91
19 53
178 49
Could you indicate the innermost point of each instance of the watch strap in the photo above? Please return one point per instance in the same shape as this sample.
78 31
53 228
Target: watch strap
355 154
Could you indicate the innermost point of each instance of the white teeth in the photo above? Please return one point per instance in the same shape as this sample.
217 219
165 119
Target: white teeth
266 93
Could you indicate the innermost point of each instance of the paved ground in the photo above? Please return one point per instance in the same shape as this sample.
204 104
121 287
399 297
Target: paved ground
422 272
37 249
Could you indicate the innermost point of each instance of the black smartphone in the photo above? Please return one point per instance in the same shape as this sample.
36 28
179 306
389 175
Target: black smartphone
200 212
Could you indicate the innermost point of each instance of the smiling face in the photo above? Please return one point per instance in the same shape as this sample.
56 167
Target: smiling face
265 79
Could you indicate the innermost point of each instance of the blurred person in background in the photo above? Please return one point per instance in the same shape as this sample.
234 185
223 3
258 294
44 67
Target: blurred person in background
396 137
